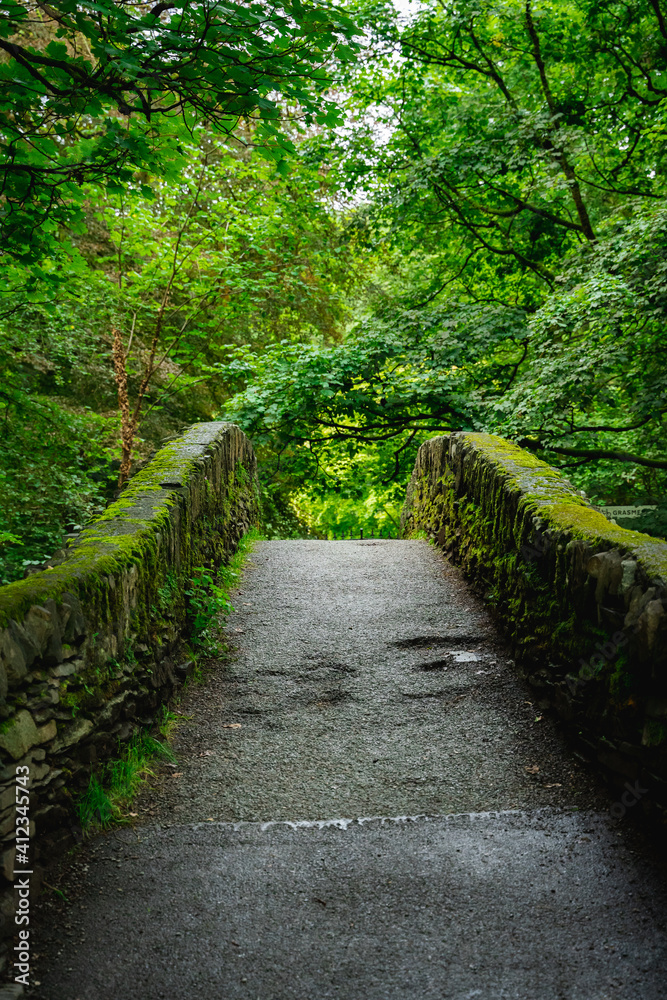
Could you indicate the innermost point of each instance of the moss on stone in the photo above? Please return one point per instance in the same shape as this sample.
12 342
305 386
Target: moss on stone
488 503
655 733
99 552
545 492
482 497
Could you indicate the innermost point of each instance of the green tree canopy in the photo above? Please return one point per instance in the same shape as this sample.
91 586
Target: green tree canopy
506 167
94 92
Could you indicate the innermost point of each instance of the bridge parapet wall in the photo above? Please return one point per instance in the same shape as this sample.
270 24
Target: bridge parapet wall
90 648
582 601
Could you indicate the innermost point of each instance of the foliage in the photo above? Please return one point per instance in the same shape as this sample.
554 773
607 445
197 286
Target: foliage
232 254
501 153
204 252
278 516
594 383
206 600
52 473
91 93
480 243
511 157
652 522
208 595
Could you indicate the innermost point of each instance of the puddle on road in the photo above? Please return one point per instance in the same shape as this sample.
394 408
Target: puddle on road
456 656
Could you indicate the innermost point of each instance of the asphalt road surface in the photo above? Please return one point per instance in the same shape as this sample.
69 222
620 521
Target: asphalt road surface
367 804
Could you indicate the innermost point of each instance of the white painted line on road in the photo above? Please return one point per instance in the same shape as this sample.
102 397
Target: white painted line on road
343 823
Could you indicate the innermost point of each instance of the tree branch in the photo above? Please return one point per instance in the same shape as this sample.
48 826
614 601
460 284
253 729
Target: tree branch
619 456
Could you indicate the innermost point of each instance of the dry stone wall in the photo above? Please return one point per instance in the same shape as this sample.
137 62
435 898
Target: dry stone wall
582 600
90 648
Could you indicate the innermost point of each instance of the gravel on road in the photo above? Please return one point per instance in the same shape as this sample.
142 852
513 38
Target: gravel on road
368 802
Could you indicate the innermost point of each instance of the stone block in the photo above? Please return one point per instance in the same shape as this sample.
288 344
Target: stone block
53 653
19 735
50 817
640 598
649 625
71 735
38 772
75 627
39 624
629 568
607 569
17 653
8 772
7 797
47 732
112 709
11 991
53 773
185 670
42 715
66 669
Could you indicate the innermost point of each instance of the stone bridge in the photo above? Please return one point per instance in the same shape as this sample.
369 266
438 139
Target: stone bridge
394 786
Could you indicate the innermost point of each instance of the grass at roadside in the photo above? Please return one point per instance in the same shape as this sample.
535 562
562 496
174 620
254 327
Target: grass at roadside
110 793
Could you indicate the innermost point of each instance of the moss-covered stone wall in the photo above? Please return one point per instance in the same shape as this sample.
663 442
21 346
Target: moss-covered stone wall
582 601
90 648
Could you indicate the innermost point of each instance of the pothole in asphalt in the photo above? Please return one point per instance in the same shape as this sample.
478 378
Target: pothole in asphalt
456 656
425 641
432 665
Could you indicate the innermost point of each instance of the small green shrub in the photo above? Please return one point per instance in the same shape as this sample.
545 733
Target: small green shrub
207 598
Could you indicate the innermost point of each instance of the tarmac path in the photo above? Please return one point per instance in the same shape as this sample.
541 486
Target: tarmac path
368 804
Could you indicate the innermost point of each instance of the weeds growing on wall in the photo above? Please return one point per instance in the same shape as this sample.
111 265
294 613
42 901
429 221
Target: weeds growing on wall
208 597
111 791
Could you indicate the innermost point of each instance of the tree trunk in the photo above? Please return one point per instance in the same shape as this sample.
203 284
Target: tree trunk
128 424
